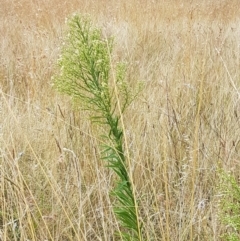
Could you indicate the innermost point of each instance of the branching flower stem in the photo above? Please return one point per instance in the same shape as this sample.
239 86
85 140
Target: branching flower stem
85 75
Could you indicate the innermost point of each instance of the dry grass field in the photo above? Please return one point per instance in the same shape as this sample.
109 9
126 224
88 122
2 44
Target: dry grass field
182 127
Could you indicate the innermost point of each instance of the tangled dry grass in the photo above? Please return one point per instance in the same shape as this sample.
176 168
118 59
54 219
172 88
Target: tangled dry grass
184 125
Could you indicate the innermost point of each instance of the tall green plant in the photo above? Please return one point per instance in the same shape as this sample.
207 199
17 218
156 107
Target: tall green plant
229 209
85 75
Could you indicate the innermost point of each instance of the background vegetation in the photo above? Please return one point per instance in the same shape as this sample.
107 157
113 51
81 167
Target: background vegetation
181 129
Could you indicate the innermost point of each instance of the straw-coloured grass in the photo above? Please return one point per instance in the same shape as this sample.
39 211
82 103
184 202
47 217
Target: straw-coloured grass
180 129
